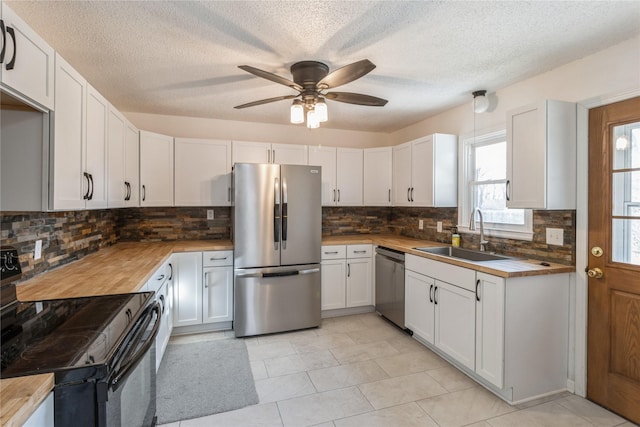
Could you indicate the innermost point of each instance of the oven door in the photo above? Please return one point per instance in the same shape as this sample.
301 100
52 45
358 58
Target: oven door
131 395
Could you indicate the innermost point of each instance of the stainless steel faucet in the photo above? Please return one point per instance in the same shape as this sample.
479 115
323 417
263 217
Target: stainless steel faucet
472 227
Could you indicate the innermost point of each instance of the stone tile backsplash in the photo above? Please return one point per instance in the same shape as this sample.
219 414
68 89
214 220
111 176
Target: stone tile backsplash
68 236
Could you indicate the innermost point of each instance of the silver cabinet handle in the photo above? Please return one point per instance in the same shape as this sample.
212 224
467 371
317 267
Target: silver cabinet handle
338 195
144 193
273 160
359 252
229 194
389 194
160 278
206 283
507 190
218 259
331 253
334 194
348 270
408 192
268 155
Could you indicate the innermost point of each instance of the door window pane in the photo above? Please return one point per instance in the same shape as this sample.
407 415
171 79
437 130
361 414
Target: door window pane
626 192
626 239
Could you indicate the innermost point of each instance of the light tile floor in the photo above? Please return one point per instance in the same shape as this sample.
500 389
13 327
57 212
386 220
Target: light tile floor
360 371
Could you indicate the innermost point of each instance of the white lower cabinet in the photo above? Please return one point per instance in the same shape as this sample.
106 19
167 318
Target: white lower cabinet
203 288
43 415
346 276
510 335
490 328
455 322
161 282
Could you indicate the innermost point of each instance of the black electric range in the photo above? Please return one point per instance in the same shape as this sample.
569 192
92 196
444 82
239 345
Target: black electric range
95 346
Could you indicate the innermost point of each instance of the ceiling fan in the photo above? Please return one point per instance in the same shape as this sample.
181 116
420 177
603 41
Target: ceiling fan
312 79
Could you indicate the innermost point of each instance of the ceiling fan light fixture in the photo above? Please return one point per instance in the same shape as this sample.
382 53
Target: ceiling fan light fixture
321 110
312 120
480 101
297 112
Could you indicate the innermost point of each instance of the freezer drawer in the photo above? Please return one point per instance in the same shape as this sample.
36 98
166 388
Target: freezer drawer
269 300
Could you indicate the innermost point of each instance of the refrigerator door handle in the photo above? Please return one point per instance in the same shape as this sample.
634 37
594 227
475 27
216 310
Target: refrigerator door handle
276 213
309 271
285 214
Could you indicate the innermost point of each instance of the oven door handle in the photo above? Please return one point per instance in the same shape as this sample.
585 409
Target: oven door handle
118 377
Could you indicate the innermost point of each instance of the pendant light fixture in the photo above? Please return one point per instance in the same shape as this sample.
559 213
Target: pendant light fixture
480 101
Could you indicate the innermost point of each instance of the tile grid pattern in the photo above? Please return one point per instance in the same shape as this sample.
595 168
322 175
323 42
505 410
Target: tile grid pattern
359 370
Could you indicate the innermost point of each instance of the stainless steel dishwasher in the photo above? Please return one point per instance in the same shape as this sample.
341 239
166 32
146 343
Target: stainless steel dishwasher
390 284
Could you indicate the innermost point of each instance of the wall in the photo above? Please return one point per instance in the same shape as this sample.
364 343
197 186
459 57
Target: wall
66 236
193 127
612 70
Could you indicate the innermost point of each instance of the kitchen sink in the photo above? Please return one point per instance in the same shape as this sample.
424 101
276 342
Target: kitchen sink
466 254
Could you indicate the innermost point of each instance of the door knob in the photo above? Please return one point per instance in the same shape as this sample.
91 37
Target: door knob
595 273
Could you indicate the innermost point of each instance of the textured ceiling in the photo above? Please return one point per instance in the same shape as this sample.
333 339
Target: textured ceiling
181 57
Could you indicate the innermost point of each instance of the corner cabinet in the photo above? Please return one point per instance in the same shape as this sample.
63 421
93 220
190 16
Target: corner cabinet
202 172
156 169
491 327
27 68
425 172
541 156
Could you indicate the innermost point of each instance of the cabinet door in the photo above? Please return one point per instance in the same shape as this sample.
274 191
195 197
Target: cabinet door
202 172
333 284
377 176
70 184
33 72
419 307
359 284
422 164
217 295
326 158
187 289
117 189
289 154
96 148
526 157
132 164
490 328
43 415
349 176
455 319
251 152
156 169
402 175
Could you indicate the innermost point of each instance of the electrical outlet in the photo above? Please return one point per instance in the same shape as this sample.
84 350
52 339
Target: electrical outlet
555 236
37 254
209 213
439 226
420 224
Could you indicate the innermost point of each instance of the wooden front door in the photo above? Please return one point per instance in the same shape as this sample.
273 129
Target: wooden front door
613 349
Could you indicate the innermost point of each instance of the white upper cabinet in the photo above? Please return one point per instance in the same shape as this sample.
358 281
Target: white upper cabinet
342 170
71 185
202 172
156 169
377 176
260 152
541 156
325 157
27 68
123 148
425 172
96 148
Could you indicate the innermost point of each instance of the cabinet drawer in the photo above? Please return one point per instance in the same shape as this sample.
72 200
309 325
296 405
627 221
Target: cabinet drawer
217 258
359 251
334 252
158 278
459 276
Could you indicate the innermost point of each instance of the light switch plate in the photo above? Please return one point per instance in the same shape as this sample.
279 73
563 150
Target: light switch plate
421 224
209 213
555 236
37 254
439 226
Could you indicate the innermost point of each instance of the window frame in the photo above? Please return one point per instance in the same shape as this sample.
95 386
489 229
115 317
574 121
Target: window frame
466 182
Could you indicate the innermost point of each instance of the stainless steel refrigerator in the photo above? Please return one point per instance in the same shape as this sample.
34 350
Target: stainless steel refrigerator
277 234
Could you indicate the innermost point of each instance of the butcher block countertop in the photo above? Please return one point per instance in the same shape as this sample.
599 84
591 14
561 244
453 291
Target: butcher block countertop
21 397
502 268
122 268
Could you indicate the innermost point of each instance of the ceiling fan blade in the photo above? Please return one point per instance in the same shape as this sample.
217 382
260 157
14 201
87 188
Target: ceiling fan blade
346 74
266 101
270 76
356 98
